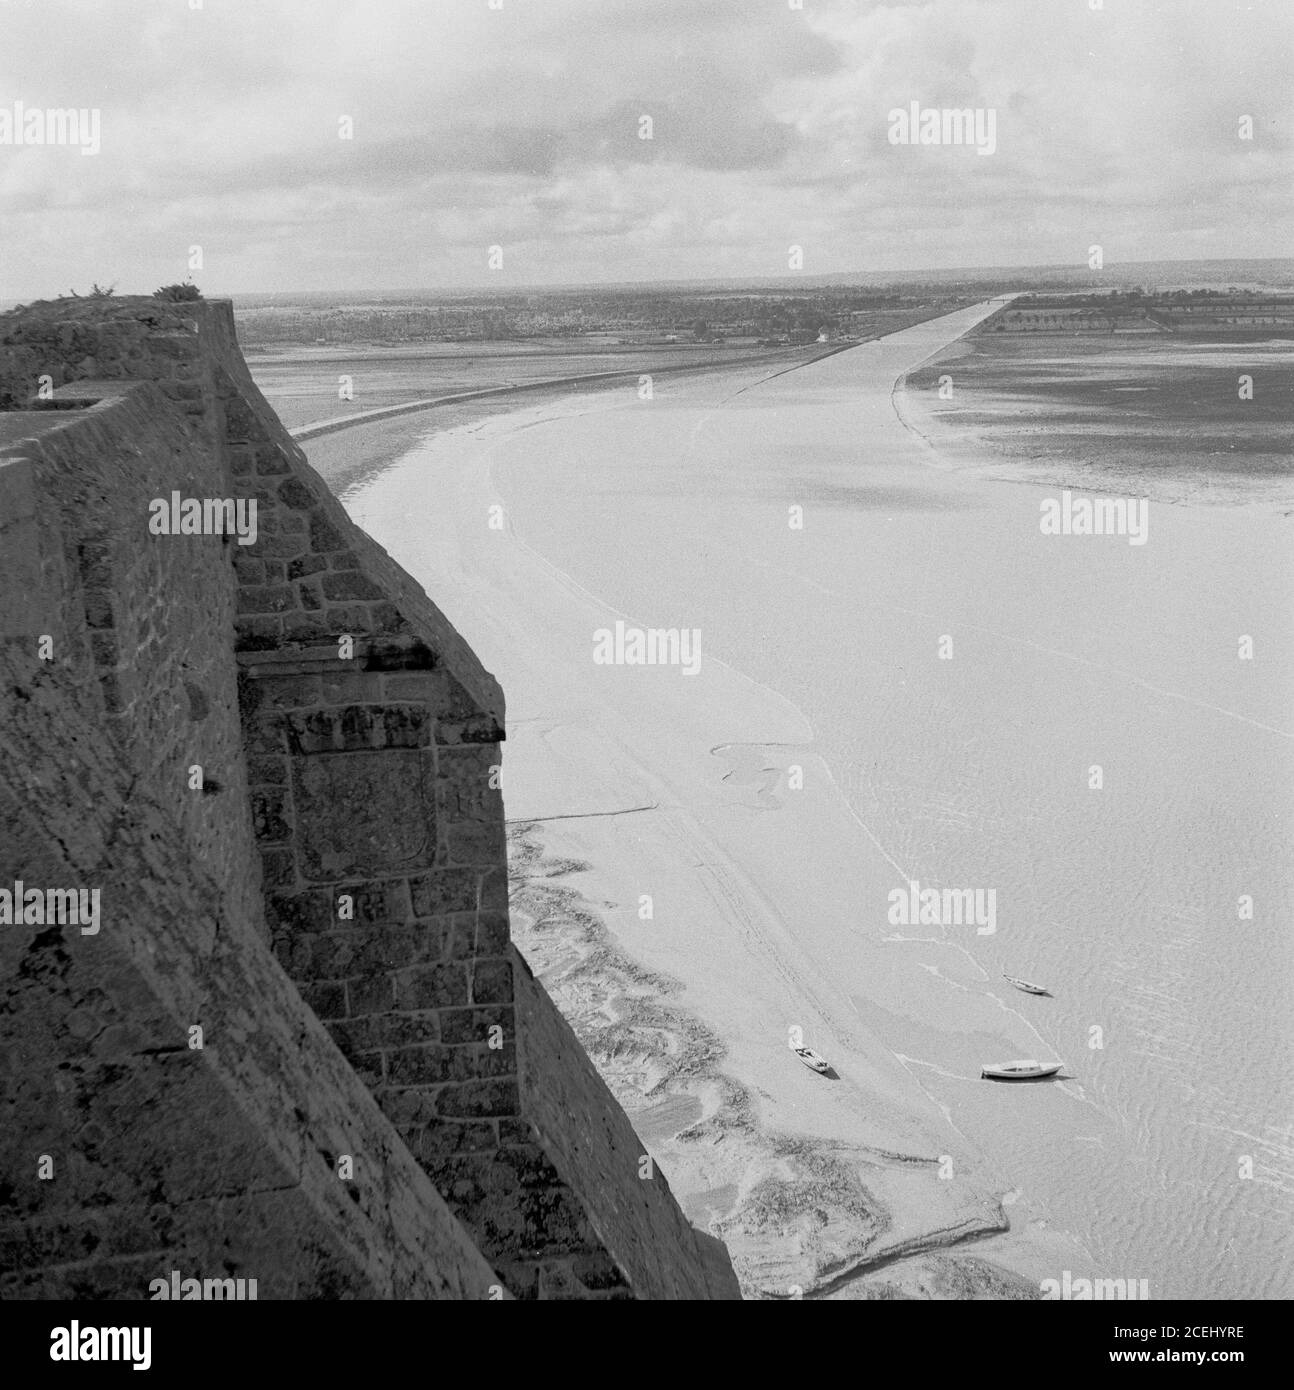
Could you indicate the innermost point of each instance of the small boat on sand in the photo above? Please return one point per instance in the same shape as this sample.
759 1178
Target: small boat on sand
811 1059
1025 985
1020 1071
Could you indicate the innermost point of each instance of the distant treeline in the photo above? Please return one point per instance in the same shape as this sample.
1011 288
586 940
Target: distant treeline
688 317
1146 298
1226 311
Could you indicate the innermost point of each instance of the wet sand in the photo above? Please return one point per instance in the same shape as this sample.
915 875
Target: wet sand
1175 417
825 754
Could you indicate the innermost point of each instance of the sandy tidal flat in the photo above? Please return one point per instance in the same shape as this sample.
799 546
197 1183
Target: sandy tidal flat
915 685
1175 417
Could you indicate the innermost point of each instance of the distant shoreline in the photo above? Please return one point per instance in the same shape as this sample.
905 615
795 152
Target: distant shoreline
315 429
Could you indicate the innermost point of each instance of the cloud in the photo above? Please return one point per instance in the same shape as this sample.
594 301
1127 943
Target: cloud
475 126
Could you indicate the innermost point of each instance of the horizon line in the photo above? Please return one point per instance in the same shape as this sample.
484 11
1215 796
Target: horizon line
900 276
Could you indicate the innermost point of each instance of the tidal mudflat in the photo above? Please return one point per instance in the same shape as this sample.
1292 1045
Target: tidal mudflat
905 680
1176 417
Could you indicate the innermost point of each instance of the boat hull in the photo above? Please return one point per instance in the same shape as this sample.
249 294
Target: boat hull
814 1061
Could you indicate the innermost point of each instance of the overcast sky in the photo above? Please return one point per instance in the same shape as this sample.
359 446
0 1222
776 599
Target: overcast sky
518 127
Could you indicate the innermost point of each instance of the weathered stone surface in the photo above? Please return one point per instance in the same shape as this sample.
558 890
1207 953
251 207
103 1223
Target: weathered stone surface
347 837
360 814
165 1155
432 986
492 982
445 890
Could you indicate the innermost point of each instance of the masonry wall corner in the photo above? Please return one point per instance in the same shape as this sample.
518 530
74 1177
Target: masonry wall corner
348 840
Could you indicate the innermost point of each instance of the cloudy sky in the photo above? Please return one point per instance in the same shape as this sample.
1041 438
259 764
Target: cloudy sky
519 127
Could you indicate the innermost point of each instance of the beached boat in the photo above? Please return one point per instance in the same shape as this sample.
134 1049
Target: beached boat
1025 985
811 1059
1020 1071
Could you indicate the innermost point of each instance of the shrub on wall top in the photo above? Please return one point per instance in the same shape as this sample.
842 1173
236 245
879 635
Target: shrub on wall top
177 294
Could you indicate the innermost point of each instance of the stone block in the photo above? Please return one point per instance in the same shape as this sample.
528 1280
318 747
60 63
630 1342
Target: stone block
444 891
299 912
324 534
429 1065
362 815
493 934
292 492
269 820
432 987
475 842
492 982
266 598
369 994
476 1099
379 1032
346 585
473 1024
304 565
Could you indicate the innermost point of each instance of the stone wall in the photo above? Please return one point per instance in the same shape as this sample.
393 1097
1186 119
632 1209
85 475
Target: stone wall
128 1151
349 741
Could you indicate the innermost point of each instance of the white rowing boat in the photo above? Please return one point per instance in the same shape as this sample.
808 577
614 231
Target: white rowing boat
1025 985
1020 1071
815 1061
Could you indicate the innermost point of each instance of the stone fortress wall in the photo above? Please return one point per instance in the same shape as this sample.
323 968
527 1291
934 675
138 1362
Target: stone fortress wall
277 761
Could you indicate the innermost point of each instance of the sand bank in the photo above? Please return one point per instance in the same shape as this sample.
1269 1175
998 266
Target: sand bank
704 863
